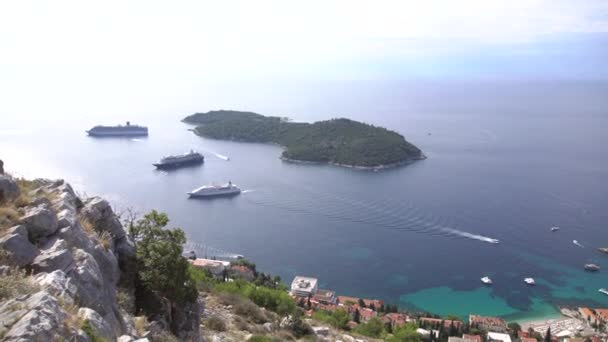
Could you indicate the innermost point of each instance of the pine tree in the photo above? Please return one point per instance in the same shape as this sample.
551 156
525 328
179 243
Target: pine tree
357 316
548 335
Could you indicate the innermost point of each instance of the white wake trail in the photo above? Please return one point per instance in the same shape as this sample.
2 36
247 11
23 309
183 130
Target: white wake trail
470 235
221 156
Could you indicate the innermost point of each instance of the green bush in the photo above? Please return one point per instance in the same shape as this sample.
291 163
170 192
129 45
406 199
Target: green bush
275 300
251 311
91 332
260 338
405 333
338 318
373 328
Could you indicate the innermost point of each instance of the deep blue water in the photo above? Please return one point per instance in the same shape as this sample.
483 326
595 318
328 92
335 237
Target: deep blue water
505 161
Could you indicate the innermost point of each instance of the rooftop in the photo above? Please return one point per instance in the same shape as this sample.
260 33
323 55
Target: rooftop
486 320
209 263
493 336
304 283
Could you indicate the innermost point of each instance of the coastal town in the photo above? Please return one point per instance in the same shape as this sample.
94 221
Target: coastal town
581 324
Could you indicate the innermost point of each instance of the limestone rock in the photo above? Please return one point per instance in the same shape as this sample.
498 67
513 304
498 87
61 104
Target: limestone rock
101 215
125 338
269 327
9 190
54 256
98 323
20 249
58 284
40 221
40 318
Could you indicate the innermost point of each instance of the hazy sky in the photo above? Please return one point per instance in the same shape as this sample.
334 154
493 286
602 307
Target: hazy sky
68 46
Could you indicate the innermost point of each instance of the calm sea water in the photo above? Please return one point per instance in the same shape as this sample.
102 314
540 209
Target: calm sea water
506 161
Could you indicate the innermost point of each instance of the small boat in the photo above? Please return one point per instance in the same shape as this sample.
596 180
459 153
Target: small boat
554 229
486 280
530 281
592 267
603 250
577 243
603 290
494 241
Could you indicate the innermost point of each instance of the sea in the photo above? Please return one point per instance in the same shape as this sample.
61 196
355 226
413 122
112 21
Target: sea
507 160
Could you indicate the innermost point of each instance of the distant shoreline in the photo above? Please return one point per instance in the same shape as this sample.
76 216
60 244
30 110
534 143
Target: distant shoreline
355 167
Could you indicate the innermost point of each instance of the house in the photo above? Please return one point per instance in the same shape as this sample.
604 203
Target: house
304 286
369 303
587 314
459 339
365 314
527 339
602 314
498 337
241 271
325 297
436 322
488 323
216 267
475 338
396 319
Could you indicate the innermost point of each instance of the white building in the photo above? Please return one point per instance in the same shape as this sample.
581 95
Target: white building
492 336
216 267
304 286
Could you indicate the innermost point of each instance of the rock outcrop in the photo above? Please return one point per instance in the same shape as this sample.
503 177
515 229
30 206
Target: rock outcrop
78 253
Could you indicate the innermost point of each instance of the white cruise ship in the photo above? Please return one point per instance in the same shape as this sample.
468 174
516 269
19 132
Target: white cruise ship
127 130
215 190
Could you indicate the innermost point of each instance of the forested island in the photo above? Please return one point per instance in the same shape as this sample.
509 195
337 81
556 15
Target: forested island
341 141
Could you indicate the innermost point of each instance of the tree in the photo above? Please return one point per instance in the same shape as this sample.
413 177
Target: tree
514 328
548 335
161 267
361 303
357 316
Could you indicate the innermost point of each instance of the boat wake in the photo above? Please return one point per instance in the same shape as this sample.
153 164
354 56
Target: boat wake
247 191
406 217
135 139
470 235
577 244
221 156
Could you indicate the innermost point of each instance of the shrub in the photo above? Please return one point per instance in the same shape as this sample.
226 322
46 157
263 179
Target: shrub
405 333
125 301
373 328
275 300
91 332
9 217
215 323
105 240
141 323
259 338
338 318
251 311
16 283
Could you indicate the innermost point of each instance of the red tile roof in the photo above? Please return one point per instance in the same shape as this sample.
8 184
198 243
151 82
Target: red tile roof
472 337
527 339
396 319
446 322
488 321
377 303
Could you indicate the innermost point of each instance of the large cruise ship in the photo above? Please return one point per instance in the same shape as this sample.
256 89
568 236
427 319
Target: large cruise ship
127 130
215 190
189 158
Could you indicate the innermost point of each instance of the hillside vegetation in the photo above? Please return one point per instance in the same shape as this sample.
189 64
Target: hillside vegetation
337 141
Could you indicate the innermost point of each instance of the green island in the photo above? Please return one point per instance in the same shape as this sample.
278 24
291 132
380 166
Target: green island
342 142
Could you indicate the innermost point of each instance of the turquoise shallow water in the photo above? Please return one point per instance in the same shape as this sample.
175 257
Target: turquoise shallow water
506 162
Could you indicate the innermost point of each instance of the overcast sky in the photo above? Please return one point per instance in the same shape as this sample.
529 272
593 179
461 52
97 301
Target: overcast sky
74 45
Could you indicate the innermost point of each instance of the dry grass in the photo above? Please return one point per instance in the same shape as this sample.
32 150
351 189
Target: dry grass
141 323
125 301
9 216
72 322
215 323
87 226
16 283
105 239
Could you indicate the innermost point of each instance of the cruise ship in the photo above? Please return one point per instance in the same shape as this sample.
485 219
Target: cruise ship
189 158
127 130
215 190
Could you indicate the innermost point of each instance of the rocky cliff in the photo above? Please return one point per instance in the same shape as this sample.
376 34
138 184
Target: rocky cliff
68 270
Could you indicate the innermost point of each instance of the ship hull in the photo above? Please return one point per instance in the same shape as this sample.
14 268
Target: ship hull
217 194
175 165
118 134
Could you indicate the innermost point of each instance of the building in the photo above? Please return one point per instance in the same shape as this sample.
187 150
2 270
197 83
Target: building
436 322
587 314
488 323
459 339
527 339
396 319
475 338
369 303
325 297
498 337
241 271
602 314
304 286
216 267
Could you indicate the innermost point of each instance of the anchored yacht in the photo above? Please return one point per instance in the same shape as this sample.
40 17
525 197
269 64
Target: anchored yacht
215 190
486 280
